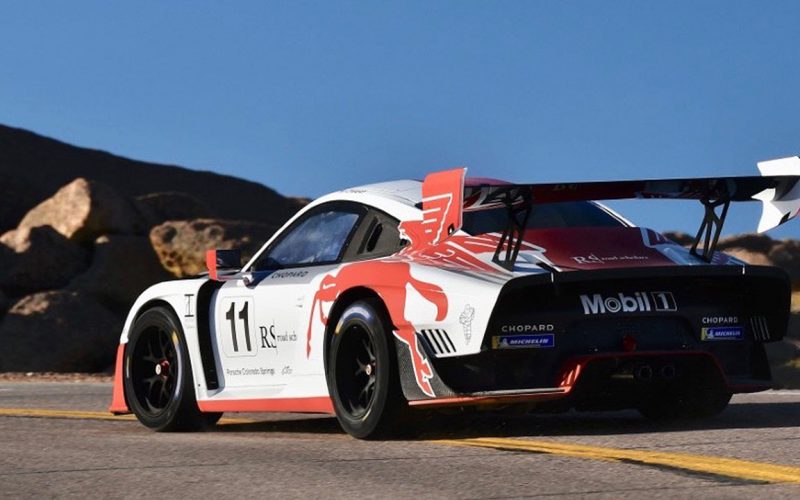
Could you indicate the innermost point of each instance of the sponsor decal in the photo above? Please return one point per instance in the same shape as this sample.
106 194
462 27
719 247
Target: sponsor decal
189 309
546 340
288 274
270 339
594 259
248 372
720 320
466 317
628 303
722 333
541 327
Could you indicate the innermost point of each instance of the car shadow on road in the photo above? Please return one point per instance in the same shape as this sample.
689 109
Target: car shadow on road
740 416
283 424
497 424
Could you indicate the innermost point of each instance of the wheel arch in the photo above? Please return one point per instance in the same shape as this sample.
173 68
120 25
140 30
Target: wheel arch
345 299
151 304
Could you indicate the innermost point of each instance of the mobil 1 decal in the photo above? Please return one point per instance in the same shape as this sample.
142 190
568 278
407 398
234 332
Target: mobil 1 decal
633 302
236 327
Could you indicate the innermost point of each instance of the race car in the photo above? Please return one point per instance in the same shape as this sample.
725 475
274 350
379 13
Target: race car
376 302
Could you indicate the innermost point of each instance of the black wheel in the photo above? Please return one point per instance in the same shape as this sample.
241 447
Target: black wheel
362 373
158 375
686 406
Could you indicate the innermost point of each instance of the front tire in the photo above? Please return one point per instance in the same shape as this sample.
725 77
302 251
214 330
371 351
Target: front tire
158 375
362 374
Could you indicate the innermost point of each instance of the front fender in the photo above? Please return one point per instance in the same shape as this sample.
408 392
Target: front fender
181 297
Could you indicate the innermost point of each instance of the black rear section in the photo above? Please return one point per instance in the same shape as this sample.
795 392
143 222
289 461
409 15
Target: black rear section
635 331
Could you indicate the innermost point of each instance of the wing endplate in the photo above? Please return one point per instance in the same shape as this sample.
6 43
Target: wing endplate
780 203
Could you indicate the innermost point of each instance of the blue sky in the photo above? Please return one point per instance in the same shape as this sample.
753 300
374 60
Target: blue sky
308 97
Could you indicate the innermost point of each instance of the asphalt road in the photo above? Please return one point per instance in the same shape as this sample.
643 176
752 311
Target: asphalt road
56 440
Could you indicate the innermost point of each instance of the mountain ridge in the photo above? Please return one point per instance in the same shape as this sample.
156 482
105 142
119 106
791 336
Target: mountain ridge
33 167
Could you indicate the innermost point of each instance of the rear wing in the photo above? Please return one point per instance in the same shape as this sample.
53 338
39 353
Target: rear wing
446 195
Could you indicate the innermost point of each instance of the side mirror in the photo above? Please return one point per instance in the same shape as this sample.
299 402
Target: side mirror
223 263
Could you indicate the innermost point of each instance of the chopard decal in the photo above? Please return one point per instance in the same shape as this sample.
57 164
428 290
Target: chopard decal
720 320
288 274
541 327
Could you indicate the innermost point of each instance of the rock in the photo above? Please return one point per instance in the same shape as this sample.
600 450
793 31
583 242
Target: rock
122 268
38 258
754 258
683 239
786 254
83 210
181 245
161 207
19 196
59 332
756 243
34 167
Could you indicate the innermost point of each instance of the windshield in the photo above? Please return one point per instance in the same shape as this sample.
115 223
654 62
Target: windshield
544 216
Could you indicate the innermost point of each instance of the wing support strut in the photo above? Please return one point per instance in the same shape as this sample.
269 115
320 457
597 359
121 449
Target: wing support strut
708 234
507 250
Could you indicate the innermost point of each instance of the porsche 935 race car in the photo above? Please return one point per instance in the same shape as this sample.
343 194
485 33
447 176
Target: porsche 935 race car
377 301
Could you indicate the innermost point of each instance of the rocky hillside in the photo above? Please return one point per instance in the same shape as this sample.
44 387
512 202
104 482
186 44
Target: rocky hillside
33 167
83 232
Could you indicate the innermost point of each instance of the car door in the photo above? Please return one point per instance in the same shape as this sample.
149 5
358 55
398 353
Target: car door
259 320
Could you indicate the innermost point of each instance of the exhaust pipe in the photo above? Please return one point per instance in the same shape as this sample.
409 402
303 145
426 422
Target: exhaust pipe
643 373
668 372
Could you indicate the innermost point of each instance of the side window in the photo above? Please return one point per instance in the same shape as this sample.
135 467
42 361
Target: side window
318 239
377 236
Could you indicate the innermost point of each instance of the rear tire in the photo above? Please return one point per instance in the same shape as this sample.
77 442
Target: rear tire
362 374
158 375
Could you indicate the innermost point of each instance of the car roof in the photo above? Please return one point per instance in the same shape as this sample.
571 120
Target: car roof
409 191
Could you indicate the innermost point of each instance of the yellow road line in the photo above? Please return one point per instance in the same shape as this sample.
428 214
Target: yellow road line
88 415
720 466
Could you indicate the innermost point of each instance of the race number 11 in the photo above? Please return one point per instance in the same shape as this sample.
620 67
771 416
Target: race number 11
238 323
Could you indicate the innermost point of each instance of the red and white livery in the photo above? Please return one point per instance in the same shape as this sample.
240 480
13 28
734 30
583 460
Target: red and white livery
376 300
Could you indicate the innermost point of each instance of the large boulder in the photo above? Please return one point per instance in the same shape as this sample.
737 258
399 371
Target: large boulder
58 332
122 267
38 258
749 256
33 167
786 254
181 245
19 196
755 243
683 239
161 207
83 210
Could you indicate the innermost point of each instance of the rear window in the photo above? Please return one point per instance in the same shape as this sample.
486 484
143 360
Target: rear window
544 216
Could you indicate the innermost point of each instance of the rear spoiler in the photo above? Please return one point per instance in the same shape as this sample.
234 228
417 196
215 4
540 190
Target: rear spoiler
446 195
